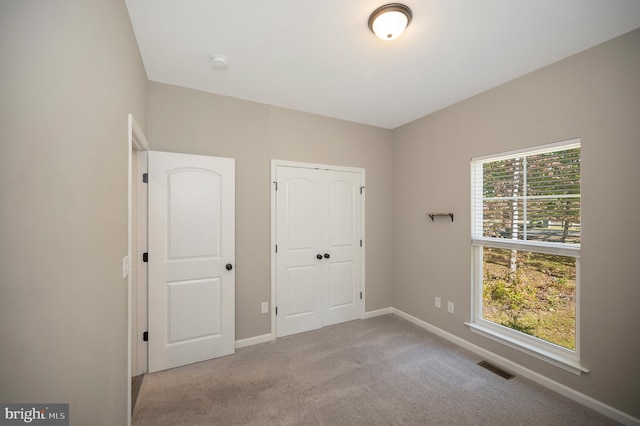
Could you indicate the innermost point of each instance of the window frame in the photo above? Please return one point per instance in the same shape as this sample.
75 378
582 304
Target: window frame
559 356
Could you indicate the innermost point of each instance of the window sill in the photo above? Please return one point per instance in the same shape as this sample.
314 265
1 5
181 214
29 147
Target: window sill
567 362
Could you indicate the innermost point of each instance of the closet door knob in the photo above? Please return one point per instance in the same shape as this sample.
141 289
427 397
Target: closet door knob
326 255
319 256
229 266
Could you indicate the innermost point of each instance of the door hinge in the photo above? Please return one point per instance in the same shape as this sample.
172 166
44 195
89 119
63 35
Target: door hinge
276 184
145 336
276 310
361 189
145 177
360 295
276 248
145 257
360 243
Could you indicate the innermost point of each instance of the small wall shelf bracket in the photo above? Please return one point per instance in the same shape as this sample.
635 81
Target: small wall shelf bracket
433 215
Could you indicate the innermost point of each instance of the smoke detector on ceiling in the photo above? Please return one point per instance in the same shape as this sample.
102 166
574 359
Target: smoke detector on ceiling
220 62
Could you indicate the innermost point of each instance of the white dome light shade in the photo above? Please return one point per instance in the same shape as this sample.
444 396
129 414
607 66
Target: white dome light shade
390 25
389 21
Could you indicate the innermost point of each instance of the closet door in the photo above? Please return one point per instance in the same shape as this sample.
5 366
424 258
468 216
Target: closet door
341 240
318 260
299 273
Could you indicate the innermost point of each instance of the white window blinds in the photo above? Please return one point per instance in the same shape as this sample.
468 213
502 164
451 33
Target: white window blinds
529 198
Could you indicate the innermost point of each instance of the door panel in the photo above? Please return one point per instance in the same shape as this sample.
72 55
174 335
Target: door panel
300 296
299 205
202 297
194 218
298 270
317 213
191 240
341 194
343 299
341 284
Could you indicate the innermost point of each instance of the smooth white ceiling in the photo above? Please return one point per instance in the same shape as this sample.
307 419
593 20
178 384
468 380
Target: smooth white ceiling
320 57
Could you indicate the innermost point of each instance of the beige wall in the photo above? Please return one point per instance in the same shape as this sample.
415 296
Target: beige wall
594 95
70 74
188 121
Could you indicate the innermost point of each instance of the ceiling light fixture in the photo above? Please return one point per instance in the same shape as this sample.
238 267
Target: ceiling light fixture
389 21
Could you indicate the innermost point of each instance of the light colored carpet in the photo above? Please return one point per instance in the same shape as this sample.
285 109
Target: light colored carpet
379 371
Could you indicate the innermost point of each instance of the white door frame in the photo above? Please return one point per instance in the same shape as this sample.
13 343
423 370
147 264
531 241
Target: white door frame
274 165
140 307
136 142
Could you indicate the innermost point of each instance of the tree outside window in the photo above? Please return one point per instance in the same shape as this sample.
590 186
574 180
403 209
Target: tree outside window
526 235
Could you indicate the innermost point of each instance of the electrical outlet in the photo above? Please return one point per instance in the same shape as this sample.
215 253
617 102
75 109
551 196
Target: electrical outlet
450 307
438 302
265 307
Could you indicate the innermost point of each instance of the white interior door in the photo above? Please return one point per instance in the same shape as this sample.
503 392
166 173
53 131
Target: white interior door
342 268
319 256
299 272
191 259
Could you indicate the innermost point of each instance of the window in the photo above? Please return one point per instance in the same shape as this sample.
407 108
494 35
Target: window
526 250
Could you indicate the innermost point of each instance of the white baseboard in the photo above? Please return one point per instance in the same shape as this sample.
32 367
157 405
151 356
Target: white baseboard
377 313
253 340
581 398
